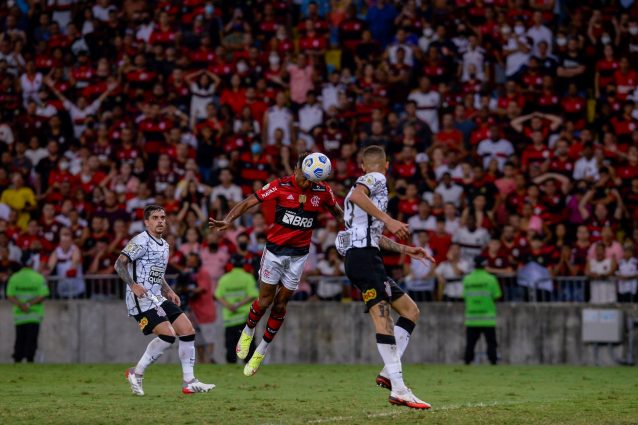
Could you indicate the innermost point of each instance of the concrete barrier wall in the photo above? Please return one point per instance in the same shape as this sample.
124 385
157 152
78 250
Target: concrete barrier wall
100 332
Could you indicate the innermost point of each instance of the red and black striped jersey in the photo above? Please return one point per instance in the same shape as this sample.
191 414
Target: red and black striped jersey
296 213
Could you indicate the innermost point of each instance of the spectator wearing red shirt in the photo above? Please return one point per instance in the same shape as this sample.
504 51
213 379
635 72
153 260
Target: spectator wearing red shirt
497 257
440 241
626 79
605 70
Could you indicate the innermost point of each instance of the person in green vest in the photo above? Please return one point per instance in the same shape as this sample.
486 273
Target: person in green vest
236 290
480 290
26 289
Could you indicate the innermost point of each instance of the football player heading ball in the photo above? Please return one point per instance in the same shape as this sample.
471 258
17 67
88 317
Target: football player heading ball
299 204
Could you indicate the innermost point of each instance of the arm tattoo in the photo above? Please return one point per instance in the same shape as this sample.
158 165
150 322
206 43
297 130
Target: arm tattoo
390 245
122 270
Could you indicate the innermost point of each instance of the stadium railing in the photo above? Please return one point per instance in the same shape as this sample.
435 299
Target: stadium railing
570 289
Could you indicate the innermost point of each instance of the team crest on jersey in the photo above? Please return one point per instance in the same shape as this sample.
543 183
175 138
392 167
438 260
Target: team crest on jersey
314 201
302 199
143 323
369 295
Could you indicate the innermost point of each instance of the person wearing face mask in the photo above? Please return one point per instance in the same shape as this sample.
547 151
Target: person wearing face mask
516 49
255 165
427 38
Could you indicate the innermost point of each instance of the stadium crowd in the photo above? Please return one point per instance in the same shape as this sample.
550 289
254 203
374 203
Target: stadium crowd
510 124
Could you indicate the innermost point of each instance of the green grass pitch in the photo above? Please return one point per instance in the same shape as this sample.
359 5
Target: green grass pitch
319 394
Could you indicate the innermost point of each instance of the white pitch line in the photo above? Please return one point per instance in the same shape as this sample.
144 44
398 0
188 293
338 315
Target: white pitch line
401 412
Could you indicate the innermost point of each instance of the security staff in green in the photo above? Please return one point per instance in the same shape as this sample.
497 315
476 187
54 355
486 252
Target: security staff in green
235 291
480 290
26 289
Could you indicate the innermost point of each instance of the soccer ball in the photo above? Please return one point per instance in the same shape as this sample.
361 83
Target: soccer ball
316 167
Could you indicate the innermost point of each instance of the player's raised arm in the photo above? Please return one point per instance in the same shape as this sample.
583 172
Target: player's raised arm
121 267
237 211
361 199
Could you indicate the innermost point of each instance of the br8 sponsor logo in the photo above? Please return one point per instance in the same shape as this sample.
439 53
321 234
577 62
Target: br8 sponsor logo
155 275
293 219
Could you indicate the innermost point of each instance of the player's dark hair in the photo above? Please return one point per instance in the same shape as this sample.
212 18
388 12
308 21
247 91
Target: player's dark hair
301 157
150 209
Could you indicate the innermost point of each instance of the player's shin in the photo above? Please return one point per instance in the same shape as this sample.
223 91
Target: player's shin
275 321
154 350
254 316
187 356
389 352
402 333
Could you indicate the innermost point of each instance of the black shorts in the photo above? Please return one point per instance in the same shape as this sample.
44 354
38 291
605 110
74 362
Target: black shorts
365 269
149 319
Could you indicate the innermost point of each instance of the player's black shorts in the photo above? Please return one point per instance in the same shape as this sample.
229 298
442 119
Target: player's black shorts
364 268
154 316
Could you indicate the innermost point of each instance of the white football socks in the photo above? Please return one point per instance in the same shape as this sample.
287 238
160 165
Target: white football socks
187 357
262 348
403 339
249 331
154 351
389 352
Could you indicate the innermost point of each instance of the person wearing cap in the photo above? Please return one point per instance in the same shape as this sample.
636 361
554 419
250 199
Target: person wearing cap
480 290
26 289
235 291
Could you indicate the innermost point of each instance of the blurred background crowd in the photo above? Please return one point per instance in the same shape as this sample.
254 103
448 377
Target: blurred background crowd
510 127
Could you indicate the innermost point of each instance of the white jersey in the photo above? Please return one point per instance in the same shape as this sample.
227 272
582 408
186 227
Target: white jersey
627 268
363 230
148 260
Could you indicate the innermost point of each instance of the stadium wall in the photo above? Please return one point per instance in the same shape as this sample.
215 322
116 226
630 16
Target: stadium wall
99 332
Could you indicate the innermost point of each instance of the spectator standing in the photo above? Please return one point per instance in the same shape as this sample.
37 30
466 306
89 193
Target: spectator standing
420 279
427 103
66 265
301 75
201 304
332 272
537 279
627 275
599 269
480 290
471 239
26 290
450 274
19 198
235 291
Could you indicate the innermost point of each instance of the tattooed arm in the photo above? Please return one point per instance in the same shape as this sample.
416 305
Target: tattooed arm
390 245
121 267
415 252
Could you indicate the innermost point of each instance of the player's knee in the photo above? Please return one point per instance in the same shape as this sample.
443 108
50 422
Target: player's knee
264 302
167 338
413 313
279 308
